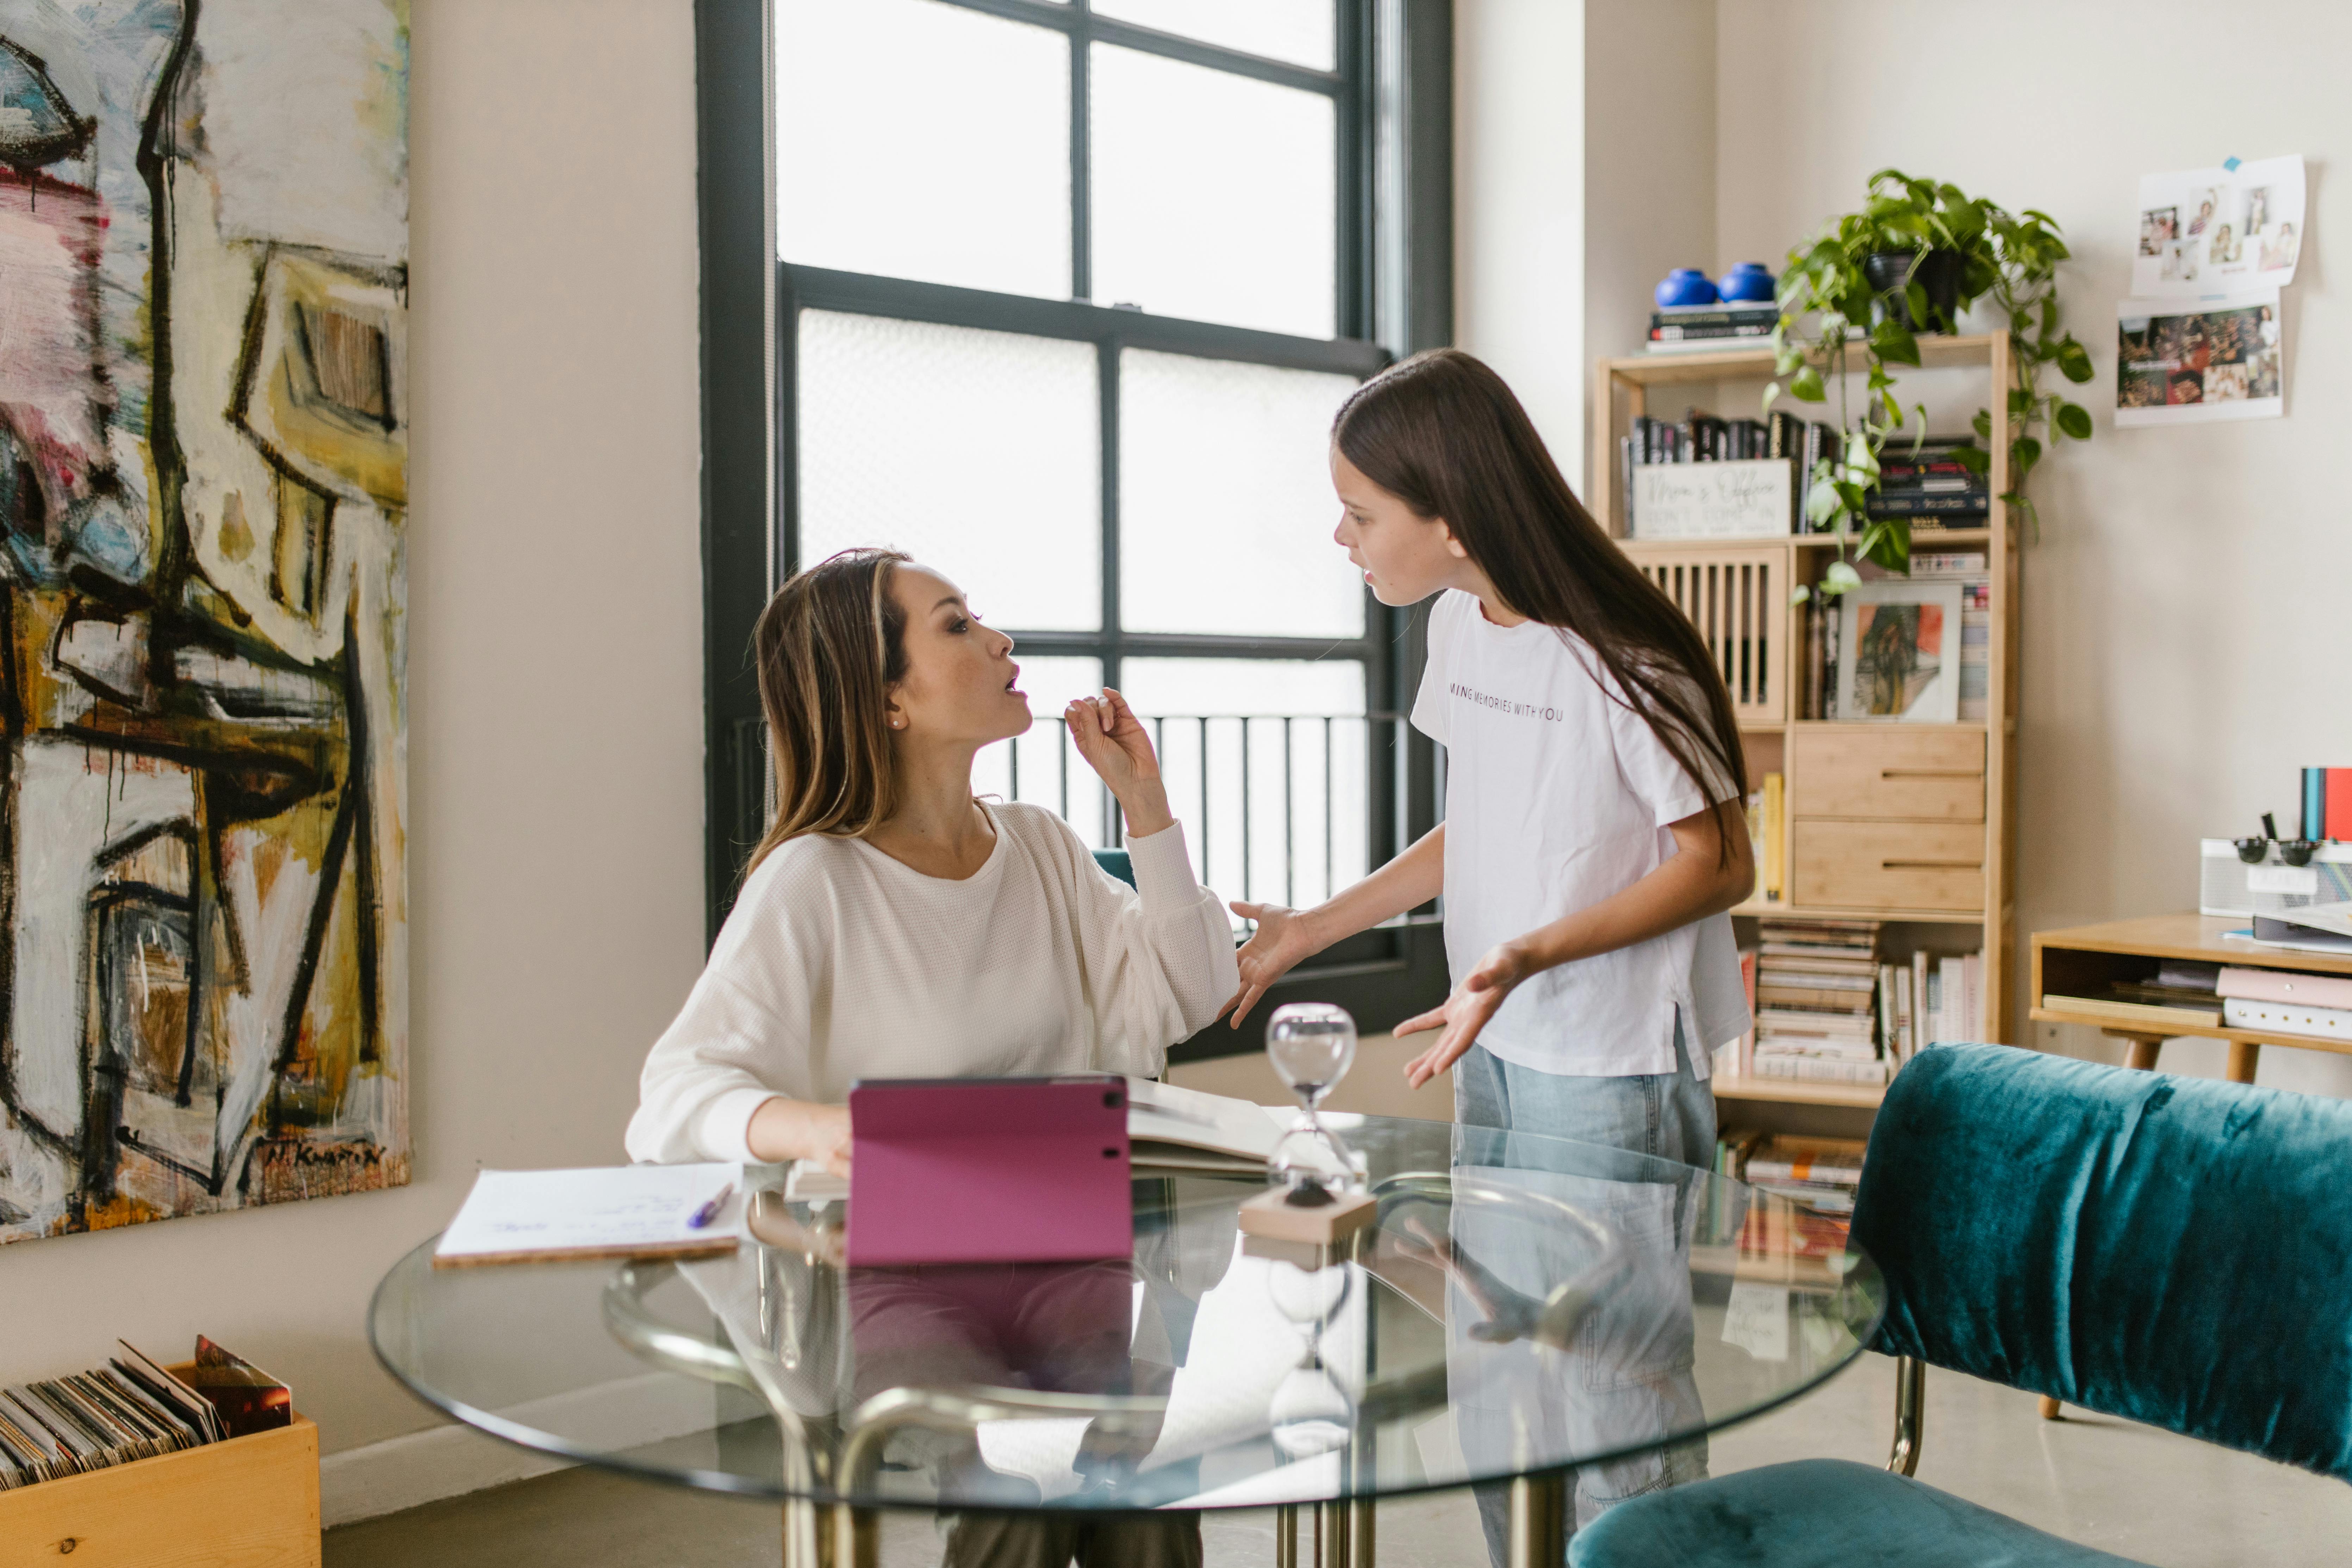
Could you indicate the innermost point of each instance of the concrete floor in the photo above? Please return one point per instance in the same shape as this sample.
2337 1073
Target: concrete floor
2129 1489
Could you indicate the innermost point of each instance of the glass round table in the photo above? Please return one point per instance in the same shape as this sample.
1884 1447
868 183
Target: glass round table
1555 1323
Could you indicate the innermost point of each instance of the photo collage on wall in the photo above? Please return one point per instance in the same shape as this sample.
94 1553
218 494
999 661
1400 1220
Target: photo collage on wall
2200 338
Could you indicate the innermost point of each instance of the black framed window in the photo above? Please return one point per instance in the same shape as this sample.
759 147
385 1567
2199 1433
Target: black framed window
1064 295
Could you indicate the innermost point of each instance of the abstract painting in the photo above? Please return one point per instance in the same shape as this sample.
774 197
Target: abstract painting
204 435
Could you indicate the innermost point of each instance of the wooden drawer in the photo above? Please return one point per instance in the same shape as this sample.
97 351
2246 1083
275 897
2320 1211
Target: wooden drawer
1890 865
1917 774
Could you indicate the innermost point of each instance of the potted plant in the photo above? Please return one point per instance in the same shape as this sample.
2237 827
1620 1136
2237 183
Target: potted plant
1916 256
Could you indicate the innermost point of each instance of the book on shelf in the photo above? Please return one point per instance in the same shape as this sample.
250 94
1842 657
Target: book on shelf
1821 995
1820 1069
1719 312
1736 334
1920 503
2287 1018
1829 1161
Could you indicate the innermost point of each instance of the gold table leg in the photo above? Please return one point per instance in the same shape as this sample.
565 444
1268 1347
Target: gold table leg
1286 1538
1539 1528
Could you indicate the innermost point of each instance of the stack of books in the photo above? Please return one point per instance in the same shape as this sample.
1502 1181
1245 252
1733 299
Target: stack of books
2183 993
1822 1171
1817 1001
1687 328
1969 567
1930 486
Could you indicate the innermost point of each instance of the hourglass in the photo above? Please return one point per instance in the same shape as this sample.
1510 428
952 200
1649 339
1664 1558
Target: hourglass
1311 1045
1311 1413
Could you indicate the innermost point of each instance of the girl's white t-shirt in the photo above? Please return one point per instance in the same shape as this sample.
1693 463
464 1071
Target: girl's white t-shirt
1557 795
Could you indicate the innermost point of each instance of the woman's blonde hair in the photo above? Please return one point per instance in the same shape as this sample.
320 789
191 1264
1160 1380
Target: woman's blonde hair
829 646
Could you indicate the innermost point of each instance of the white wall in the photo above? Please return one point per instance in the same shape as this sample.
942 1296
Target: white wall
1584 173
1518 203
2185 632
555 749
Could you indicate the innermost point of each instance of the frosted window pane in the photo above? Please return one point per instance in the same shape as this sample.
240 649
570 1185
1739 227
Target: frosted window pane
1299 830
976 452
918 139
1298 31
1243 686
1225 502
1051 772
1212 195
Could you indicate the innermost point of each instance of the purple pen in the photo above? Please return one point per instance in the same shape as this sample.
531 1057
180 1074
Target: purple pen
709 1211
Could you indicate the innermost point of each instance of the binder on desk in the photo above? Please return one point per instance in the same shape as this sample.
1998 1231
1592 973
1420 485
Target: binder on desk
1005 1169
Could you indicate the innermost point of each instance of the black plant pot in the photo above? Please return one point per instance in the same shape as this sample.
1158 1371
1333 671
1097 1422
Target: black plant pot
1938 277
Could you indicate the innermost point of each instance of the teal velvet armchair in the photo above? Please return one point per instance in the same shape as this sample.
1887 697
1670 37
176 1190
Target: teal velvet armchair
2174 1251
1118 863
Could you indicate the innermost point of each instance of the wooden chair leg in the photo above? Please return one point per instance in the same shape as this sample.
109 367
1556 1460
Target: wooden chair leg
2049 1408
2140 1051
2243 1057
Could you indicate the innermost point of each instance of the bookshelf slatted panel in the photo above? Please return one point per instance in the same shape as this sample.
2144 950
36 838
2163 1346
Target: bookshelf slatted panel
1737 596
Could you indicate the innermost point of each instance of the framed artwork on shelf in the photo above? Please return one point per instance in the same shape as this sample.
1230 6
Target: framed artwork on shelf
1902 645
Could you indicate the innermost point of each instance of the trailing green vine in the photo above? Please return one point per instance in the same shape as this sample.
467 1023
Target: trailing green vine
2009 262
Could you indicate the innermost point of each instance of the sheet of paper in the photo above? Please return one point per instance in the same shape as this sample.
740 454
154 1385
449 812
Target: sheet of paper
605 1208
2178 362
2209 232
1757 1320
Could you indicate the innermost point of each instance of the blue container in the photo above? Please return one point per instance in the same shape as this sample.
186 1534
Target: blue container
1684 286
1747 283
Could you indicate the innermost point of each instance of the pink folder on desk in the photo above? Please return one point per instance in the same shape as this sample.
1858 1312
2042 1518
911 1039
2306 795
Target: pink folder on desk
996 1169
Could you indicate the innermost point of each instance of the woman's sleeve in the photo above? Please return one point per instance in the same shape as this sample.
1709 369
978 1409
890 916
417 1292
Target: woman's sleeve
1158 957
740 1040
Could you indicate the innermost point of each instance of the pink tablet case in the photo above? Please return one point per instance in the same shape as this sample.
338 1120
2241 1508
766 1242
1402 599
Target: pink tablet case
1003 1170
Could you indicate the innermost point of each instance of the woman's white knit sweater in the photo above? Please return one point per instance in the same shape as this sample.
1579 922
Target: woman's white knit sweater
841 963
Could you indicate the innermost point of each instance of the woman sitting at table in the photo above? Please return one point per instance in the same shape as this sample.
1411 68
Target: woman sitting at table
892 925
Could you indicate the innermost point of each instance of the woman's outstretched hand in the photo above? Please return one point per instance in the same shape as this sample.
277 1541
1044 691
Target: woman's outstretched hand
1115 744
1464 1013
1281 942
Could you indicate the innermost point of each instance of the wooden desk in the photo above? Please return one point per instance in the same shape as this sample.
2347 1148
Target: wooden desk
2082 961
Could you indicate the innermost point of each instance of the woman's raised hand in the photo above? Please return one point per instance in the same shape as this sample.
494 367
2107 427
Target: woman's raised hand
1280 944
1116 745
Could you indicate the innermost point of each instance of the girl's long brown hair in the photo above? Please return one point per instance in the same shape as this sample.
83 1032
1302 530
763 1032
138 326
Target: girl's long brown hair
1442 433
829 646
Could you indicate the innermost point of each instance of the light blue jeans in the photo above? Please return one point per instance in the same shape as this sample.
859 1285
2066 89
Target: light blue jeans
1630 1368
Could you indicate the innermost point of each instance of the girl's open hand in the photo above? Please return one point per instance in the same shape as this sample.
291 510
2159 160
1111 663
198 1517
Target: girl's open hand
1115 743
1281 942
1466 1012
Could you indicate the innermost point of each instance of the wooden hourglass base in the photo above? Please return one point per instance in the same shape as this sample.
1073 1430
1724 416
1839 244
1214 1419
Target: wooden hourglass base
1270 1215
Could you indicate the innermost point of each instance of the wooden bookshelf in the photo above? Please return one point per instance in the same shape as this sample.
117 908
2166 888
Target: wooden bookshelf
1883 821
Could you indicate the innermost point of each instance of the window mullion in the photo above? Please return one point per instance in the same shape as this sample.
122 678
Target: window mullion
1082 175
1107 373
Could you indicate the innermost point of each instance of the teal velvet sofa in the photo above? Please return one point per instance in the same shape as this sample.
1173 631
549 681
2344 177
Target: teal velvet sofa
2175 1251
1118 863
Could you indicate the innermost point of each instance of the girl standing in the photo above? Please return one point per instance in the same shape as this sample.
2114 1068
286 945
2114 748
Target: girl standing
1592 846
1593 838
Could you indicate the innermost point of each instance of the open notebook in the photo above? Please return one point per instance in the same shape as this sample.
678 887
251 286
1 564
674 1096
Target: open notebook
1170 1131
